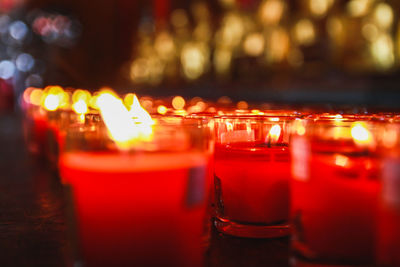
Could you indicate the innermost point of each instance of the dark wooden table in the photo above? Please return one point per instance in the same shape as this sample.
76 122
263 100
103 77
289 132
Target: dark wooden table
32 215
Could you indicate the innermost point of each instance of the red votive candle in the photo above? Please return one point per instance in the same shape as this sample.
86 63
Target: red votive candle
334 191
252 172
139 207
388 245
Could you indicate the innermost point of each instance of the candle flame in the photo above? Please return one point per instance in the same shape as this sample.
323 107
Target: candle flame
360 134
274 134
124 129
138 113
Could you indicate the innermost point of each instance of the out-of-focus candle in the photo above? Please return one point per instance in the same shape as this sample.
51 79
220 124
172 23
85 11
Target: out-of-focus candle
334 191
252 172
388 244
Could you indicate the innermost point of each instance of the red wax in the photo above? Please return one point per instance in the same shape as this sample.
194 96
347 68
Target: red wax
36 130
388 250
253 182
389 236
138 209
334 207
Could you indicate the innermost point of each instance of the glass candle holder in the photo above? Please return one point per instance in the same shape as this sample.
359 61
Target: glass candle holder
388 243
252 172
334 191
142 206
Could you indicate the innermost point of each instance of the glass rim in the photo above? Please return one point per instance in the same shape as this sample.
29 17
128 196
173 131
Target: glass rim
260 117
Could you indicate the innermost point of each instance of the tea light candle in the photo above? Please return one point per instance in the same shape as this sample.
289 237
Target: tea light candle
334 193
252 172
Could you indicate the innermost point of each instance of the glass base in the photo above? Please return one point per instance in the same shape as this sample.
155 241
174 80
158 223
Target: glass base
304 257
298 261
251 231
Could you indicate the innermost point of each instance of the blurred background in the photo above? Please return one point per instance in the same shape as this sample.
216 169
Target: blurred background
327 52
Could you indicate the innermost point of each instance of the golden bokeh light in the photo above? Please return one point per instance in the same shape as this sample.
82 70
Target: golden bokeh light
35 97
80 107
382 51
304 32
271 11
319 8
51 102
253 44
242 105
194 59
358 8
178 102
161 109
383 15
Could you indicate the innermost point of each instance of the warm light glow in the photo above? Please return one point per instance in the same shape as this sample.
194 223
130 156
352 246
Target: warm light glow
162 109
165 46
253 44
383 51
304 32
370 32
271 11
93 101
36 97
383 15
389 138
80 107
128 100
51 102
232 31
320 7
222 60
80 94
122 128
178 102
277 46
338 117
341 160
138 113
194 58
358 8
274 134
299 127
242 105
360 134
27 94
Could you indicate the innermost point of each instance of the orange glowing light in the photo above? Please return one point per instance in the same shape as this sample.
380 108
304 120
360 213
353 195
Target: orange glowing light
360 134
341 160
36 97
80 94
242 105
178 102
27 94
162 109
